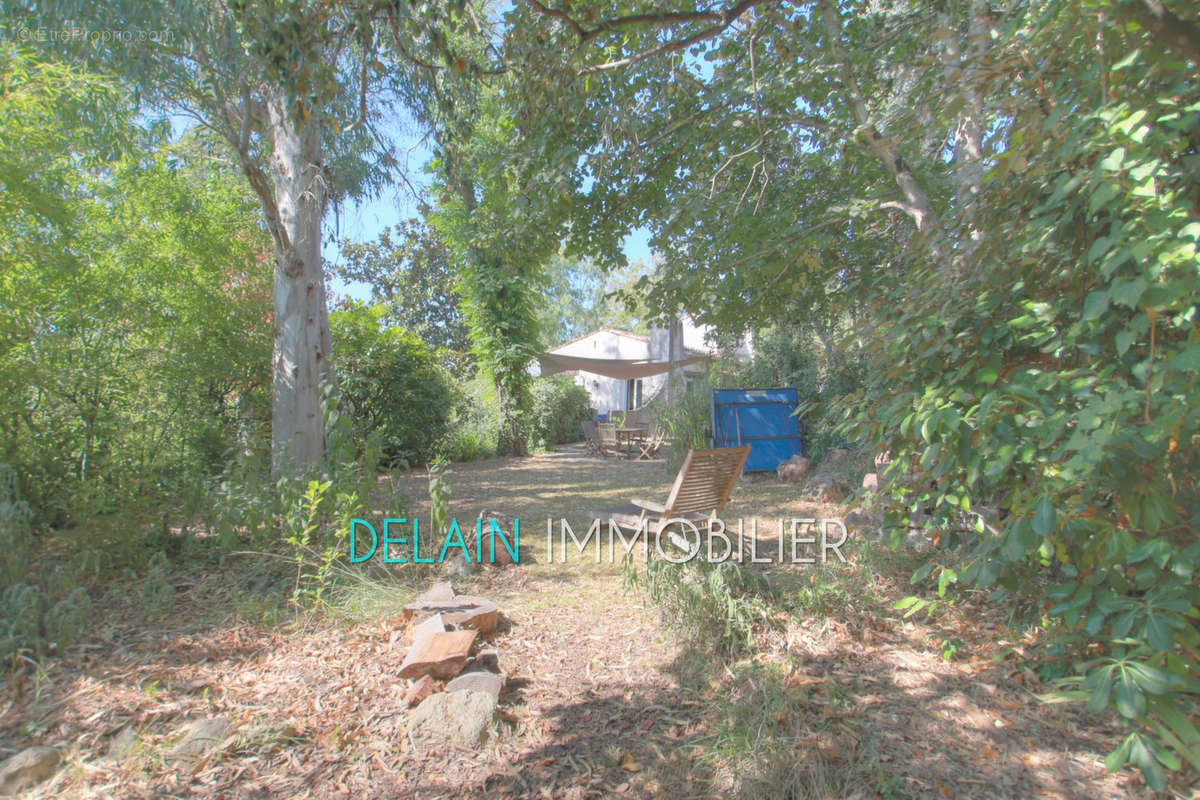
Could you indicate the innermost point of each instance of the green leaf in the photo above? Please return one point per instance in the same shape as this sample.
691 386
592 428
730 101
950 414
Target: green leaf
1095 304
1099 697
1188 360
1045 517
1130 701
1157 633
1102 196
1123 340
1128 293
1113 161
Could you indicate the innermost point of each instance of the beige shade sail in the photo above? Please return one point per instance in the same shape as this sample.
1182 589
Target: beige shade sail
621 369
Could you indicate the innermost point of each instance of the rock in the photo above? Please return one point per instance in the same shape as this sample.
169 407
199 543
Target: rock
458 566
460 718
122 744
204 736
486 659
793 470
461 612
870 481
827 488
27 768
834 459
478 681
442 655
421 688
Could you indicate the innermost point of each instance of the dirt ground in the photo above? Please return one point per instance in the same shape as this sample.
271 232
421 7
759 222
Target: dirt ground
600 700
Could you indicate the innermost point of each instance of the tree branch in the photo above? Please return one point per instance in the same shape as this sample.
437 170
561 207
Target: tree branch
721 20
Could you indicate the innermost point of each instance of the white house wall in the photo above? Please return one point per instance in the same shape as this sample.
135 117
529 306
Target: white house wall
608 394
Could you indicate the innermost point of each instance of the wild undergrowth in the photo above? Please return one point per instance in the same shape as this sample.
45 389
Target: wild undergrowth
731 619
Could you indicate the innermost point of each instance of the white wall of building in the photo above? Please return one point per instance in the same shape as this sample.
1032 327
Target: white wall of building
612 394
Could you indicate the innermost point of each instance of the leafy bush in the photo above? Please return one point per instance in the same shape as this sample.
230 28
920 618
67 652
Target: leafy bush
475 427
687 420
119 385
558 409
715 606
793 355
1045 410
390 385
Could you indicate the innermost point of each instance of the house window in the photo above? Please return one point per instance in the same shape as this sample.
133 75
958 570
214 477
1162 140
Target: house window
633 393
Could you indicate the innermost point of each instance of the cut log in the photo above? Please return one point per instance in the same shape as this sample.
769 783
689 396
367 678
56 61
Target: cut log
434 624
461 612
442 655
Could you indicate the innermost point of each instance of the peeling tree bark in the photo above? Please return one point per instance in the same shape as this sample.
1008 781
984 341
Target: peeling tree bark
301 358
962 64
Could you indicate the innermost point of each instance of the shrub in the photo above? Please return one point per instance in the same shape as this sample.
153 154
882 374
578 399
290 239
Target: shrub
715 607
558 409
474 429
687 421
390 385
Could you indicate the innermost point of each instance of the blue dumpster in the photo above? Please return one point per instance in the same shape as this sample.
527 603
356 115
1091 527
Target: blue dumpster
761 418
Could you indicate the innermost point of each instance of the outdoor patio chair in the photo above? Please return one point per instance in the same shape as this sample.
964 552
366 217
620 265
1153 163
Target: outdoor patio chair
591 440
649 446
608 438
702 490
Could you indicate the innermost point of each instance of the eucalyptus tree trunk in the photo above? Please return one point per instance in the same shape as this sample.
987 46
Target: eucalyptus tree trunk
916 203
962 68
301 360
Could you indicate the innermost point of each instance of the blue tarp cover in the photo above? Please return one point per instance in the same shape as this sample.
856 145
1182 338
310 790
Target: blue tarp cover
761 418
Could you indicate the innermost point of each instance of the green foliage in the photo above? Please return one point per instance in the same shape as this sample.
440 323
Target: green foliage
715 607
390 385
1042 404
502 200
815 358
559 407
118 383
687 419
474 430
34 614
411 274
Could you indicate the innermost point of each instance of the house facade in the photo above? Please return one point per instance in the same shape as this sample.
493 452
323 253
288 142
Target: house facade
679 341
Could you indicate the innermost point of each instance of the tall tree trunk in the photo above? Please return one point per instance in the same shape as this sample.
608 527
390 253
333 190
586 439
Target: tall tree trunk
962 67
511 439
302 342
916 203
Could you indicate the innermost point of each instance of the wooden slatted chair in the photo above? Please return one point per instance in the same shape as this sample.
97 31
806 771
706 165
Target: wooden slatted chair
591 439
654 440
608 438
702 490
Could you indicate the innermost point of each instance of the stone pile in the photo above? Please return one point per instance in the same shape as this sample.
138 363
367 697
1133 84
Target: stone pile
454 685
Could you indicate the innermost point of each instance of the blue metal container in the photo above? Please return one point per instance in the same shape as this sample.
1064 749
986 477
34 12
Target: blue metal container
761 418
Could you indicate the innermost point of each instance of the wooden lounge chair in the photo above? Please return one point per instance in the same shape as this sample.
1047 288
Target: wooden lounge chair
701 491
